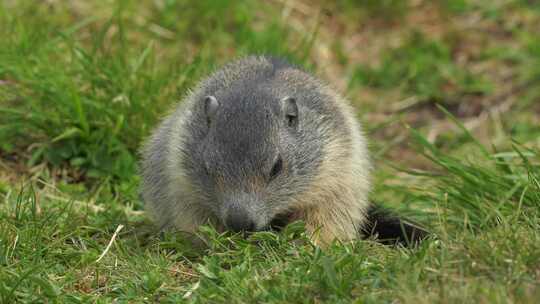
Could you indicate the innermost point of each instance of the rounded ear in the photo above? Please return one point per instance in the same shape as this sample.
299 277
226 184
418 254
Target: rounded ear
211 105
290 109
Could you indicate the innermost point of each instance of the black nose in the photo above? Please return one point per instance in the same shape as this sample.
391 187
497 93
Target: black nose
238 220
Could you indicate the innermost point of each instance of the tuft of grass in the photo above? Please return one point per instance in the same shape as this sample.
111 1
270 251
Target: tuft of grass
477 194
477 191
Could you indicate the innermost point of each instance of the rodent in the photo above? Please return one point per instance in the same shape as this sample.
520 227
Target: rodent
260 143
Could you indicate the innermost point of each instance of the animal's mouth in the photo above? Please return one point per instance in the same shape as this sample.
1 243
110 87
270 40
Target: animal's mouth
281 220
277 223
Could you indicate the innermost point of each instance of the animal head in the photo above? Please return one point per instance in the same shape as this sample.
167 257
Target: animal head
256 141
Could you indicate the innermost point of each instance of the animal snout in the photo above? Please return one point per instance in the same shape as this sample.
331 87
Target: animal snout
239 220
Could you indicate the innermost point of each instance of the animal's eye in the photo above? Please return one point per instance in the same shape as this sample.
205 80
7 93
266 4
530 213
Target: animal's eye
276 169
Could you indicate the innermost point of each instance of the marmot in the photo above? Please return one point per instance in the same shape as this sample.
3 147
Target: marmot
257 144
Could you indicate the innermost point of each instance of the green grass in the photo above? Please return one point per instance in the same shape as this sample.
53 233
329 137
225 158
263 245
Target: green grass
487 248
82 84
422 67
88 90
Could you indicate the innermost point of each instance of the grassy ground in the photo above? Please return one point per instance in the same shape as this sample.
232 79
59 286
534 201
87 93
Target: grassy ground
449 92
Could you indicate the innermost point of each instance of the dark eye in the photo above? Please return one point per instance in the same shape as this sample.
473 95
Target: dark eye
276 169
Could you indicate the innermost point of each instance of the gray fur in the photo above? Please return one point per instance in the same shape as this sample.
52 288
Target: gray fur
199 167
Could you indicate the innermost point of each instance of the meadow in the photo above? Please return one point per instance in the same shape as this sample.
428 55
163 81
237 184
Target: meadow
448 92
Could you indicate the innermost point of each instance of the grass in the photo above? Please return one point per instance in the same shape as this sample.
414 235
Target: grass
424 68
82 84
